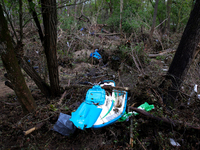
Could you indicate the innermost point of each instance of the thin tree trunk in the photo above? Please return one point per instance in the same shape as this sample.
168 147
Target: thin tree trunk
169 4
49 13
154 21
20 21
34 14
11 64
121 9
75 11
42 85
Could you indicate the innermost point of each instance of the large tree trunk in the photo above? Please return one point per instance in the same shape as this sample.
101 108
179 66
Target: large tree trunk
183 56
49 14
11 64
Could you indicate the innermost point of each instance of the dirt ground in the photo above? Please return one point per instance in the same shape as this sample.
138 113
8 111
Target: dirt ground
147 133
151 134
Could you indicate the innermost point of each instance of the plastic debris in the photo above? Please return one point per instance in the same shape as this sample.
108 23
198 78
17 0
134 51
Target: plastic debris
173 142
198 96
63 125
96 54
82 29
192 94
144 106
125 117
92 33
195 88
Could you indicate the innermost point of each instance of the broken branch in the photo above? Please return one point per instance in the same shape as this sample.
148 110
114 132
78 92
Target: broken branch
38 126
165 120
162 53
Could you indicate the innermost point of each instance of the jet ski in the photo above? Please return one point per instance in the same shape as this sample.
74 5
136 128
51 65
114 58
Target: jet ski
101 107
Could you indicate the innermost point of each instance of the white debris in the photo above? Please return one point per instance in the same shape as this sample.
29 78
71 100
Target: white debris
165 69
192 94
173 142
198 96
195 88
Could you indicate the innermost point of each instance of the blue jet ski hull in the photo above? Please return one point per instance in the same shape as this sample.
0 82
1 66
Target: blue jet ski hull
100 107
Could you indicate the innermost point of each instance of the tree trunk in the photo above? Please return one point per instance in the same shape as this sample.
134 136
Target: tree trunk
169 4
183 56
44 87
20 20
34 14
49 14
121 9
154 21
11 64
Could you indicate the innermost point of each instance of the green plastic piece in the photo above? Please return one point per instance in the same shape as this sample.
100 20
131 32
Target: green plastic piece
125 116
144 106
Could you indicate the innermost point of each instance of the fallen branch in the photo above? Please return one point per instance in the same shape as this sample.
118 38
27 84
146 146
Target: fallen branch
38 126
162 53
175 123
12 104
62 97
107 34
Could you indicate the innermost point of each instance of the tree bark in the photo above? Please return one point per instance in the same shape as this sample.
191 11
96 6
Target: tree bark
183 57
11 64
154 21
169 4
34 14
121 9
20 20
41 84
49 14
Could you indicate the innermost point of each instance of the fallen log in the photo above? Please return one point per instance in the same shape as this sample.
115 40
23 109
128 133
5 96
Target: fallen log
175 123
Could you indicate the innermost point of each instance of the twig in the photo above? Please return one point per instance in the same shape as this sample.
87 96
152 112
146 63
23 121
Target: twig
140 143
107 34
162 53
160 23
14 104
136 63
62 97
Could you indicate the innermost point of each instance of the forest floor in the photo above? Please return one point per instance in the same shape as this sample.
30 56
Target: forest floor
148 133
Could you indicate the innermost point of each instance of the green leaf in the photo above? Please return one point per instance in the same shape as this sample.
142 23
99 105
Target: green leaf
32 5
